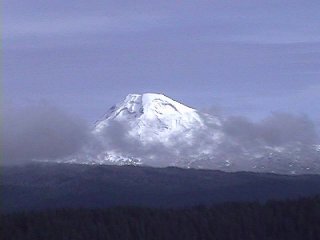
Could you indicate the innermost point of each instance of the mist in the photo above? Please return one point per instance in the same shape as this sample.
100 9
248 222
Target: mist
239 139
40 132
275 130
44 132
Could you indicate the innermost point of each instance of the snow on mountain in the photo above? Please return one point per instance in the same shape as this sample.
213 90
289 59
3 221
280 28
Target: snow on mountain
154 117
153 129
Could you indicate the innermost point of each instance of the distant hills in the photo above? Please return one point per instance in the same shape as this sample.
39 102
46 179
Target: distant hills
51 185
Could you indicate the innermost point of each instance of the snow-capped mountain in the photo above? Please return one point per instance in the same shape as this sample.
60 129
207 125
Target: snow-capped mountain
153 129
154 117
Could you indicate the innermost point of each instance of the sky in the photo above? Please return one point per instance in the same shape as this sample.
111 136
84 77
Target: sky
248 58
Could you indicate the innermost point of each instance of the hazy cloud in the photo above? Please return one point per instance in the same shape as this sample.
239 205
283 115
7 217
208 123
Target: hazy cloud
40 132
117 138
44 132
276 130
237 140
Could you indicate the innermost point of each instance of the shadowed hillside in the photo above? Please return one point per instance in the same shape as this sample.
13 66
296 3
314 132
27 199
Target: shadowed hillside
41 186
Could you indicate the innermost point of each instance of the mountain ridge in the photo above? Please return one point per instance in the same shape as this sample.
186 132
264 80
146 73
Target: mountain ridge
41 186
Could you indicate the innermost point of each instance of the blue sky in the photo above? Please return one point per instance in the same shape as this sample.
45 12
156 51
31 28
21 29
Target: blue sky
246 57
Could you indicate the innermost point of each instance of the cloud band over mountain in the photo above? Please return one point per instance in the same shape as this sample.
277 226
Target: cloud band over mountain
46 133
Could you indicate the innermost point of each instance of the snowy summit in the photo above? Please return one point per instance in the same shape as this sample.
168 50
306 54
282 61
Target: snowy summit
152 117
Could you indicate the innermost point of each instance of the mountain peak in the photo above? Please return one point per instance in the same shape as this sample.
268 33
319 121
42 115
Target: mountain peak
148 99
151 105
152 116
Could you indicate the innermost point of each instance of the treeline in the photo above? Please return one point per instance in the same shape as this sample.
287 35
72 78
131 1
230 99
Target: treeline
291 219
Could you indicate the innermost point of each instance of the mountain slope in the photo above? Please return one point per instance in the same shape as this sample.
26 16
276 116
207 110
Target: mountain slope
151 129
154 130
42 186
154 117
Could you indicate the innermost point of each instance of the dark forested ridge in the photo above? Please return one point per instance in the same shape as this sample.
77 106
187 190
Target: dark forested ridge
43 186
291 219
